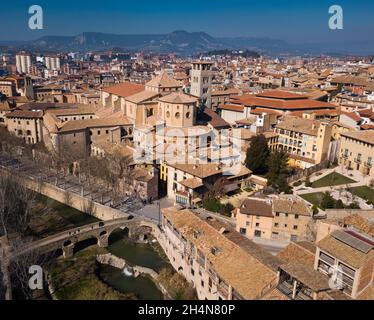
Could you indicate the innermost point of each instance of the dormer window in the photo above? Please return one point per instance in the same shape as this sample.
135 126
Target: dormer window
215 250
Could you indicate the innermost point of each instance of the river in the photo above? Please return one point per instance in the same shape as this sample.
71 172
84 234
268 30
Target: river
135 254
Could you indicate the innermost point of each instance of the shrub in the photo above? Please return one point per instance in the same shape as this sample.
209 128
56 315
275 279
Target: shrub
297 183
212 204
307 182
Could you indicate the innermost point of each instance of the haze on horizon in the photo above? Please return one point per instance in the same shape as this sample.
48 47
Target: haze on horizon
288 20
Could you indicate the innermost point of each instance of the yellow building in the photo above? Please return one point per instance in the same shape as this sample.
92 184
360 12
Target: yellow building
254 218
357 151
282 218
306 141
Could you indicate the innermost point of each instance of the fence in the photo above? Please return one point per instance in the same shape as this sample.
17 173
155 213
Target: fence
302 173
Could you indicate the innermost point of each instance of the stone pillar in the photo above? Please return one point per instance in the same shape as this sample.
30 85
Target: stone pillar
103 241
294 289
68 251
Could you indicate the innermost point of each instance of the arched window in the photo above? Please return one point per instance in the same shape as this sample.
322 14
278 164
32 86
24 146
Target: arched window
177 115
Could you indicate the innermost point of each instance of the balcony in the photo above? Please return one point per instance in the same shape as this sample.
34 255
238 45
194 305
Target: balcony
287 289
358 160
368 164
223 290
182 198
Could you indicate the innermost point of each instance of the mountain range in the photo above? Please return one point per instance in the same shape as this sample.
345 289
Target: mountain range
184 43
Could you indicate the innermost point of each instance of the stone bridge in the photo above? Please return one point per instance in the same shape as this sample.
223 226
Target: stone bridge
100 230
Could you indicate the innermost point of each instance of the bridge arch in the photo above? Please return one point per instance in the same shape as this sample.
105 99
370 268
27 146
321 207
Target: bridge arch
85 243
118 234
103 233
67 243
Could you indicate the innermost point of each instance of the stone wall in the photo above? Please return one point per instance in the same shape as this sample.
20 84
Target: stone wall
74 200
111 260
342 213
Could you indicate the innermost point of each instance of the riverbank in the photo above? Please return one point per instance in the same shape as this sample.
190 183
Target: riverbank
78 278
132 274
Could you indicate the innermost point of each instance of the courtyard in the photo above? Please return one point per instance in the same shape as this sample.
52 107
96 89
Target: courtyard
332 179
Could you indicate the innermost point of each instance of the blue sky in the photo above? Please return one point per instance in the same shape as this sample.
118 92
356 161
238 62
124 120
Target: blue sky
290 20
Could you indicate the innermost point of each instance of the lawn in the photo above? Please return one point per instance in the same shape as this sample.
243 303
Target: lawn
332 179
313 198
363 192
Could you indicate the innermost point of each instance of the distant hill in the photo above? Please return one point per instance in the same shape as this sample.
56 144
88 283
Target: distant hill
186 43
178 41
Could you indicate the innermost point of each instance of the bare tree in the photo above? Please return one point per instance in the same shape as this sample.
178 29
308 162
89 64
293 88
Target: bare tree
16 202
20 266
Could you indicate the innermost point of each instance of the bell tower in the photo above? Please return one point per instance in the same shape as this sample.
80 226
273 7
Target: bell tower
201 81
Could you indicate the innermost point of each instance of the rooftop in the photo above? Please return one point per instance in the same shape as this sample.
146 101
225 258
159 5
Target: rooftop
125 89
178 97
363 136
244 265
344 251
257 207
306 126
163 80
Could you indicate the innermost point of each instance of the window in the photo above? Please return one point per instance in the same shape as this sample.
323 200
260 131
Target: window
276 224
188 115
98 132
192 271
202 283
277 214
285 225
296 216
295 227
167 114
106 131
257 224
177 115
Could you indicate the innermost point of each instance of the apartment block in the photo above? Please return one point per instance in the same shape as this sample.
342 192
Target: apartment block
351 254
279 218
357 151
218 261
306 141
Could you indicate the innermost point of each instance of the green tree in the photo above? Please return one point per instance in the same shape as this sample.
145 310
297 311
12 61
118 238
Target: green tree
354 205
278 169
339 204
327 202
257 155
226 209
212 204
314 209
307 182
